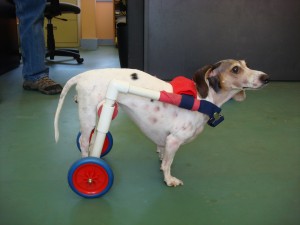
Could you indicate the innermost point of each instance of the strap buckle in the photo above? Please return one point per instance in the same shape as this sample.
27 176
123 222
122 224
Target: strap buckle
215 119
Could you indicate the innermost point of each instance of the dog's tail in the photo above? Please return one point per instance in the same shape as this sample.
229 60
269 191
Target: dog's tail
63 94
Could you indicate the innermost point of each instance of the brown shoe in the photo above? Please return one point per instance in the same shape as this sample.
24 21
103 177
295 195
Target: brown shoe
45 85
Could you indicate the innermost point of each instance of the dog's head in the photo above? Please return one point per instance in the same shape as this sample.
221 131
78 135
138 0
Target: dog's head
228 75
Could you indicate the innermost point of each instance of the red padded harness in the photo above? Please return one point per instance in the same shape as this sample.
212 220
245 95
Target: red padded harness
184 86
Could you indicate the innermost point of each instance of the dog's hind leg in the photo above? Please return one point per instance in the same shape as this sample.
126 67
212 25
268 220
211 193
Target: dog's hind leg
172 145
87 124
84 144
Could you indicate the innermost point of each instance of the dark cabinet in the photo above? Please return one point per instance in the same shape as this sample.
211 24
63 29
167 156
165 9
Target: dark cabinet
9 48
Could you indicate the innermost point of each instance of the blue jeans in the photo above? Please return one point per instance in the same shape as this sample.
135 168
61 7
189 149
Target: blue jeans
31 29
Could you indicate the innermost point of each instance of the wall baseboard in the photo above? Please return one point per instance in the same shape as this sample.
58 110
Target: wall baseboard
106 42
92 44
89 44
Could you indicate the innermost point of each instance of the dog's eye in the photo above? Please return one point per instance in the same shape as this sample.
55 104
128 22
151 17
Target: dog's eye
235 69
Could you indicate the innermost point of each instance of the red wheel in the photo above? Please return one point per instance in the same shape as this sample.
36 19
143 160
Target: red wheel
107 145
90 177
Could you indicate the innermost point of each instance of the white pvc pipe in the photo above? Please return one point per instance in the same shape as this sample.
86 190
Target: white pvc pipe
147 93
103 127
114 87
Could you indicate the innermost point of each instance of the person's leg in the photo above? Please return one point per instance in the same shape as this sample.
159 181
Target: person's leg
31 20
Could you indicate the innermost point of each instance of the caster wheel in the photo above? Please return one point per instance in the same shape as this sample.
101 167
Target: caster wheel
90 177
80 60
107 146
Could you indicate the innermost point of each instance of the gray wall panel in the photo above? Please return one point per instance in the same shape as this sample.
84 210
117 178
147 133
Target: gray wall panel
135 21
181 36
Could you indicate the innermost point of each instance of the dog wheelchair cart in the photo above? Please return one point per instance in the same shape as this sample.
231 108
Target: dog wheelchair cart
92 177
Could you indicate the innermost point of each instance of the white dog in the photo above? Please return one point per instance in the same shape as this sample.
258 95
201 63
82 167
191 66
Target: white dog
168 126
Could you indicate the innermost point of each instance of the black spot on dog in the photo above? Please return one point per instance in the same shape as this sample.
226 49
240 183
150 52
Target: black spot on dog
152 100
134 76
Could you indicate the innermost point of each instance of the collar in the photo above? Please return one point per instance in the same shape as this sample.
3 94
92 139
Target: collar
203 106
213 111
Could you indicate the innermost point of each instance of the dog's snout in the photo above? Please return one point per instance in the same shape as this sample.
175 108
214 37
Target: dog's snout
265 78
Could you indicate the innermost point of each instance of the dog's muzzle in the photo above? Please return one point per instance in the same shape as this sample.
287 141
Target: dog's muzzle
264 78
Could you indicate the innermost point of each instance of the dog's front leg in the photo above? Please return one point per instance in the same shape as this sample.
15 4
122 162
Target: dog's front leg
172 145
160 150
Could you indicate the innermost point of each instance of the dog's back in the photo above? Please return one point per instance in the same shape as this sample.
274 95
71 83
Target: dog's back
91 87
99 80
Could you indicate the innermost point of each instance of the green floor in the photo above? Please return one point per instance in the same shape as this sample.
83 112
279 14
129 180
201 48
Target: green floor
244 172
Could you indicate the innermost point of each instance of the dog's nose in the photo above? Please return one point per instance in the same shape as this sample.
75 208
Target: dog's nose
265 78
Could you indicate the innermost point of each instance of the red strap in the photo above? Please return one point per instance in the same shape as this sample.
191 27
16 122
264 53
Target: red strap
183 85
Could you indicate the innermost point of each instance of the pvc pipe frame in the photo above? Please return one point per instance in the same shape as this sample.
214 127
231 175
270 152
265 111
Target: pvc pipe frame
114 88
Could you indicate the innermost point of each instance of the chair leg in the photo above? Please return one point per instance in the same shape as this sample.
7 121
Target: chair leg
50 39
70 50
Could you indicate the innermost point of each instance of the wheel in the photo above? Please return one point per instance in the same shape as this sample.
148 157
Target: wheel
107 146
79 60
108 143
90 177
78 141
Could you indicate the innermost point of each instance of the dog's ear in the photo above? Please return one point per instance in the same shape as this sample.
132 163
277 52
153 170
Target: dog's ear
205 77
240 96
200 80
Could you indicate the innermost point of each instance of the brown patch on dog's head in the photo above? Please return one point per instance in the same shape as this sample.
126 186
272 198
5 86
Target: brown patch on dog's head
205 77
234 75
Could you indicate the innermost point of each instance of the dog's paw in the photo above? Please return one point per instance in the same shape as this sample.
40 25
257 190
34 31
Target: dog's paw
173 182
